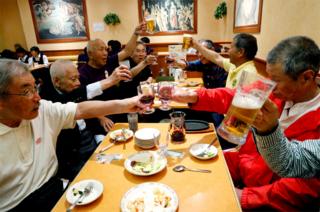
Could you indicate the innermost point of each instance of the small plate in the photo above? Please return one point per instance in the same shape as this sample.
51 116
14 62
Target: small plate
114 134
196 125
150 196
73 192
145 163
197 149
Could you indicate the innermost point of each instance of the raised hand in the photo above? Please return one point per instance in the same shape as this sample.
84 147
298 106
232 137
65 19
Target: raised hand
119 74
267 117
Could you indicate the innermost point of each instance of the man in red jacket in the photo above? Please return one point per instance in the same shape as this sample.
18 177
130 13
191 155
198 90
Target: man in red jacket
293 64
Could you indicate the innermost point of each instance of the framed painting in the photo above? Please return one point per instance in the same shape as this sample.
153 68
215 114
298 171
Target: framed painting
171 17
247 16
57 21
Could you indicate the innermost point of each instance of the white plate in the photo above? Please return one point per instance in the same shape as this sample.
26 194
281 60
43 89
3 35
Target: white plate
116 133
72 193
196 149
152 163
146 192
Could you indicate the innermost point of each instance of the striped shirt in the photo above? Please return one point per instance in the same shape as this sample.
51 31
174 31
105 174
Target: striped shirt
289 159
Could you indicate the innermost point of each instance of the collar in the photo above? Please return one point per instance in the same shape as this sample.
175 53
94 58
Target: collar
4 129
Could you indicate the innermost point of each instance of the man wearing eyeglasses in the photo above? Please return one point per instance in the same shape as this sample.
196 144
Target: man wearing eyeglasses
29 128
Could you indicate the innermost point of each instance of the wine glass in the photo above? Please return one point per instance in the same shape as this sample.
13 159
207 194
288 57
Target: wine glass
165 90
146 93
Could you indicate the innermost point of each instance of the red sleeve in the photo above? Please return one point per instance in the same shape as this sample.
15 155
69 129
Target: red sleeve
214 100
286 194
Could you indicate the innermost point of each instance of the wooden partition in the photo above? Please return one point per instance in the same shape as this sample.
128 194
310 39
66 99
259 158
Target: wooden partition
162 49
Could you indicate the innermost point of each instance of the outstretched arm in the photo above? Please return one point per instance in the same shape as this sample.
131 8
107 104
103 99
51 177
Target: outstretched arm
127 51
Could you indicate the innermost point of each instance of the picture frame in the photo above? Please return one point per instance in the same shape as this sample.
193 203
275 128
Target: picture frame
58 21
247 16
172 17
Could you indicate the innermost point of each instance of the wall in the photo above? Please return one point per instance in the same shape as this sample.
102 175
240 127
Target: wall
127 10
280 19
10 27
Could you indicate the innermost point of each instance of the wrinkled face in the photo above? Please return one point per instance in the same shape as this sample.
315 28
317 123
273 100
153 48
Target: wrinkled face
70 81
18 107
34 53
286 88
99 54
139 53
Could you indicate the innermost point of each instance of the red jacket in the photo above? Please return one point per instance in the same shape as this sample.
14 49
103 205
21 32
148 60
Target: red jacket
263 188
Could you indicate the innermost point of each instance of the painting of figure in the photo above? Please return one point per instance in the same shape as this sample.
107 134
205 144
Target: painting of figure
59 20
170 16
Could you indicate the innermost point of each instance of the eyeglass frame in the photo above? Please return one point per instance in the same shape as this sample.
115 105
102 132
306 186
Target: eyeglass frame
29 92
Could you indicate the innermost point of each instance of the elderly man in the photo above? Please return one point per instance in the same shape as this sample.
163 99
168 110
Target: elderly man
242 52
29 130
83 140
293 64
284 157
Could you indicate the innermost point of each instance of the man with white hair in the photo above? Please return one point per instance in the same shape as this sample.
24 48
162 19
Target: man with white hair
29 128
83 139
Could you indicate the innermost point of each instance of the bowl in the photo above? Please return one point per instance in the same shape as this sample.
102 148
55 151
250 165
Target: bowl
145 138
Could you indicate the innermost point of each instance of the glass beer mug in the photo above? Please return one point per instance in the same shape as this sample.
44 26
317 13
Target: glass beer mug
177 126
251 93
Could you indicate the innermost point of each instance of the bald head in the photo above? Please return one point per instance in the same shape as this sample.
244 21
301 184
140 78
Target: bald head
98 53
64 76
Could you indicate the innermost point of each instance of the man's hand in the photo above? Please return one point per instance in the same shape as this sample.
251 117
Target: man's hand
106 123
150 59
142 27
120 73
134 105
195 44
267 117
184 95
180 63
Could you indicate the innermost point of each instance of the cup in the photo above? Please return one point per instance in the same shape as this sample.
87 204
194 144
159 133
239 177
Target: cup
146 93
150 24
186 41
133 121
177 126
165 91
106 74
251 93
127 64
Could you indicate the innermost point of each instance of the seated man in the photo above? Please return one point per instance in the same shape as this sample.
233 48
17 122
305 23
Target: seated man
37 57
29 130
242 52
298 98
284 157
139 68
82 141
213 76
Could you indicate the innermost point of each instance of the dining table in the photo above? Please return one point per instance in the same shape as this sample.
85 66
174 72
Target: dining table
196 191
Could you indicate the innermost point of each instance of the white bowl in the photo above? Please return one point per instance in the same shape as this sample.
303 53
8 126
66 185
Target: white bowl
145 138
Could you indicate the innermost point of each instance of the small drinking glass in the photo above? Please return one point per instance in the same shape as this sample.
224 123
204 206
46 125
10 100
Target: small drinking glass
155 54
162 144
146 93
165 91
177 126
106 74
127 64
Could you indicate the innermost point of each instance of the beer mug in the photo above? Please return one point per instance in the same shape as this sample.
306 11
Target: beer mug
150 24
186 41
177 126
251 93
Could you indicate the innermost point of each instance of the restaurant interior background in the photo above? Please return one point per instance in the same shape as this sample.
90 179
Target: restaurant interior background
280 19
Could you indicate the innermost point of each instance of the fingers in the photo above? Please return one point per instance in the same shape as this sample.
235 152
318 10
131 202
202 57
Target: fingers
122 73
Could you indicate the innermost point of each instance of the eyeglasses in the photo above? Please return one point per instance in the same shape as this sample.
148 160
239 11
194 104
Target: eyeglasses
28 92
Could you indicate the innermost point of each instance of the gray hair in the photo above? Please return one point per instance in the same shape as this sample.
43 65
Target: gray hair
9 69
208 43
59 67
91 45
296 55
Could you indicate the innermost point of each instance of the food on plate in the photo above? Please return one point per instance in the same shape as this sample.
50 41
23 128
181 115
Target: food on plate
155 200
145 167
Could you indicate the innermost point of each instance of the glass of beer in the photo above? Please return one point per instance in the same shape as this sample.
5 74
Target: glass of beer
186 41
251 93
150 24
